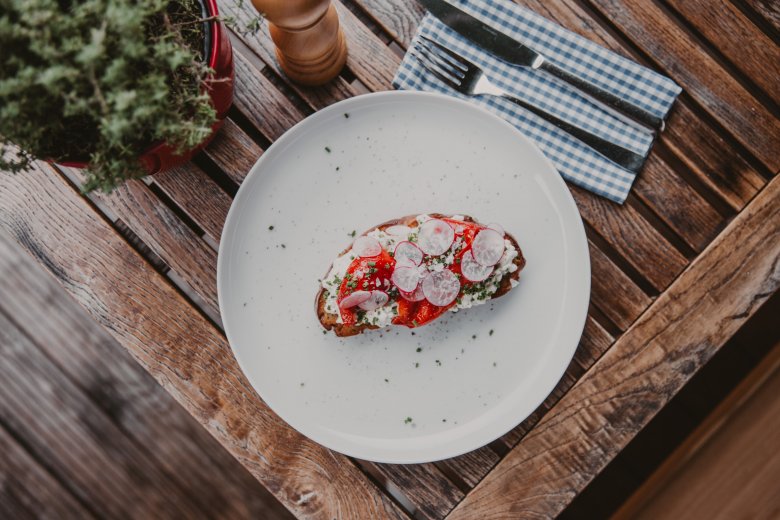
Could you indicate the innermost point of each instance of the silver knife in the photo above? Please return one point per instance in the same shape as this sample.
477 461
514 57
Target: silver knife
514 52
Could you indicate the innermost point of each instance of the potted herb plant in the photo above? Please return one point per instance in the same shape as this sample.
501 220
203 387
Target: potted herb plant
121 88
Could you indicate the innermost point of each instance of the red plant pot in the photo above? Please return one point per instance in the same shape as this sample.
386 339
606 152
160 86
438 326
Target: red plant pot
161 156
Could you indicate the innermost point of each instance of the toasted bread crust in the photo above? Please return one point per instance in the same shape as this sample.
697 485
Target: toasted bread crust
329 321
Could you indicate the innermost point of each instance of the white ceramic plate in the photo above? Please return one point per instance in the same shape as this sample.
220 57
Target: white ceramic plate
361 162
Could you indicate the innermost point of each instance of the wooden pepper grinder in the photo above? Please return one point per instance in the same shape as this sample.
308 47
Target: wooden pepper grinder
310 45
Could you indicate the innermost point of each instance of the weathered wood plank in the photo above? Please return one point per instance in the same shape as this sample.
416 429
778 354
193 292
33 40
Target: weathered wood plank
233 151
197 195
703 78
369 58
425 486
61 426
470 467
634 237
261 102
710 157
614 293
180 349
678 334
212 479
167 236
29 491
769 10
677 203
399 19
745 45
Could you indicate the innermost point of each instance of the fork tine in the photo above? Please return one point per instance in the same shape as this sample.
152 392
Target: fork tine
435 57
451 56
434 69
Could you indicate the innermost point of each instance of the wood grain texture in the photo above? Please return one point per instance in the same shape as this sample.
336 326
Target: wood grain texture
211 478
261 102
29 491
769 10
614 293
702 77
399 19
369 58
167 236
233 151
201 199
426 487
750 50
470 467
58 422
180 349
633 236
643 370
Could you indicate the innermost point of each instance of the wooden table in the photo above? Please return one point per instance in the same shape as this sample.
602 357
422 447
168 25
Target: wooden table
676 270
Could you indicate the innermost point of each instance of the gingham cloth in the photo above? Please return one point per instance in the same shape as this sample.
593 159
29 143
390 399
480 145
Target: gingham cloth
577 162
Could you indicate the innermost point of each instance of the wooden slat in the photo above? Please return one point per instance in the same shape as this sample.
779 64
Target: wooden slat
769 10
634 237
180 349
399 19
641 372
233 151
722 96
197 195
713 160
167 236
369 58
470 467
425 486
614 293
60 424
677 203
29 491
745 45
261 102
213 480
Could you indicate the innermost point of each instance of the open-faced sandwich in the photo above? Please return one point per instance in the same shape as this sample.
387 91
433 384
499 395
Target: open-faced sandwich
412 270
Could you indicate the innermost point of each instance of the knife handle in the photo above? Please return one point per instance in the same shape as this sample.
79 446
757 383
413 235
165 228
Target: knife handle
615 104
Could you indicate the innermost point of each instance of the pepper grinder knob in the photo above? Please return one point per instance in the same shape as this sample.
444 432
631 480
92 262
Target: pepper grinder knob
310 44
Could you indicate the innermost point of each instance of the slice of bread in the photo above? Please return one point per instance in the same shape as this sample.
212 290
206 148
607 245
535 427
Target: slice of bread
330 320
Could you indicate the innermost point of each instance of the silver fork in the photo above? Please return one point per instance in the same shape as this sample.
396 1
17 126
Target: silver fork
469 79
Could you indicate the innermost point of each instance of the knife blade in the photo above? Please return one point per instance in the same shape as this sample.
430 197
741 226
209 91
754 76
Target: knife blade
512 51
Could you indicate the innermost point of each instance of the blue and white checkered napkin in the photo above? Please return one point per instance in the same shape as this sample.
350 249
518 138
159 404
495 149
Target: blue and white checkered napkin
577 162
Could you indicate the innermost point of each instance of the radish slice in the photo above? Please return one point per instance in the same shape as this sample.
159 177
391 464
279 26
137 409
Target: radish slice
366 247
406 278
398 230
488 247
435 237
441 288
374 301
498 228
472 270
356 298
414 296
408 254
